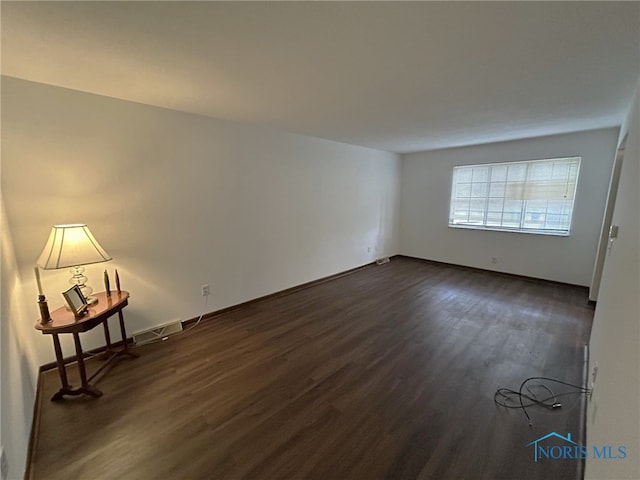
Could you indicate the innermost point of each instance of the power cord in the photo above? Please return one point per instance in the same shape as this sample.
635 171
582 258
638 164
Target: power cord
204 309
508 398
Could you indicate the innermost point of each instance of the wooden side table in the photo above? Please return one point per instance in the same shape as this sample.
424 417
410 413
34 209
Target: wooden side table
63 321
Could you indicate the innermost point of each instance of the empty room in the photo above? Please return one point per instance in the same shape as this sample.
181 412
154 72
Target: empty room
320 240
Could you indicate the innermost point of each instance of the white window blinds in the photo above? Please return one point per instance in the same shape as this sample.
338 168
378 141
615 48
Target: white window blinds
535 196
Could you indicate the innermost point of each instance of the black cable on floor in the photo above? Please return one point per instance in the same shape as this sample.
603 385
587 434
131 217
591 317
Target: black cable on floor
508 398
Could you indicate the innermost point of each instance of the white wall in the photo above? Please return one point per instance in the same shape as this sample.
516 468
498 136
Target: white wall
18 359
424 211
613 416
179 200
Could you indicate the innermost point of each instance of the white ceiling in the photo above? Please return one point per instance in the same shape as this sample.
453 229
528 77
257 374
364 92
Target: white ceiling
397 76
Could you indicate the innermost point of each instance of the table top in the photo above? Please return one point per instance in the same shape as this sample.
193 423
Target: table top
64 321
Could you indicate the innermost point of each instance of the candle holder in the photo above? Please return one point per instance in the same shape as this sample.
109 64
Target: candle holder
45 317
118 282
107 285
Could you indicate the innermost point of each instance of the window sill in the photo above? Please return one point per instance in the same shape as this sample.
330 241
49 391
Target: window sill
514 230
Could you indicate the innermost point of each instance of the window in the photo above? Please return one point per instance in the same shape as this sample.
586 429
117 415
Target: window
534 196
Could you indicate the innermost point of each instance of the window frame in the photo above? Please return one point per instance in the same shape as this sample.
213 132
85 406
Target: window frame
528 184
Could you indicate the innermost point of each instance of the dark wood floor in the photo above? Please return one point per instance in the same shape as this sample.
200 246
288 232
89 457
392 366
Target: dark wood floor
386 373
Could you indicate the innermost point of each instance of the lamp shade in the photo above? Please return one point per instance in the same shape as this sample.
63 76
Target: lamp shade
71 246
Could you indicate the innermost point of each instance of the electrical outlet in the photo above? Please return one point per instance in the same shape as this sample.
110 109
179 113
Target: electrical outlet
594 374
494 260
4 465
205 290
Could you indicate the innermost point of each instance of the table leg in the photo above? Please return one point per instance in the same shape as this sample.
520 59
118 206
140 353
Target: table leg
108 351
66 388
107 337
86 388
62 371
123 332
80 357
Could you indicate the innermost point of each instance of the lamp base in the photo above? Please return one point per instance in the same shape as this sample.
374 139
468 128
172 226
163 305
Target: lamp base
92 300
79 279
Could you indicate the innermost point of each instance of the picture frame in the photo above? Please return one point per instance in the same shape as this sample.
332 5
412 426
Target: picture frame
76 301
